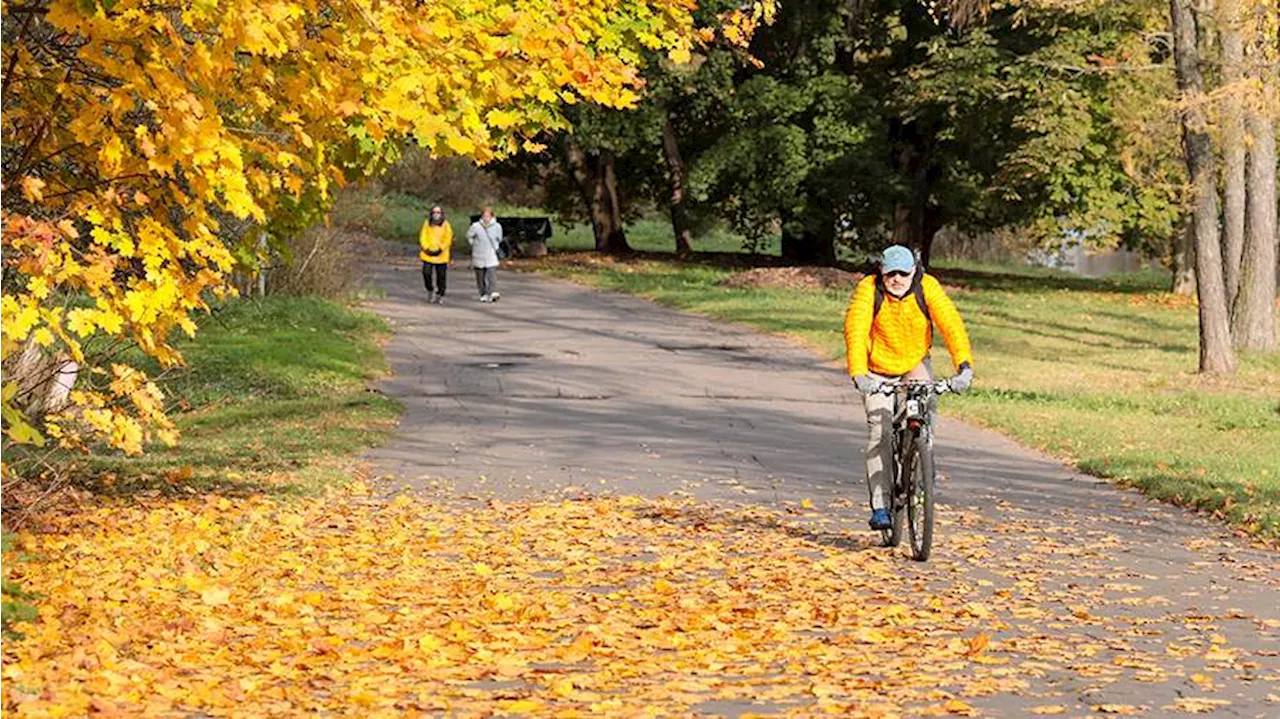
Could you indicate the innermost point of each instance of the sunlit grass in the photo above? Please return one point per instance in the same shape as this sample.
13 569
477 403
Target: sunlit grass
275 397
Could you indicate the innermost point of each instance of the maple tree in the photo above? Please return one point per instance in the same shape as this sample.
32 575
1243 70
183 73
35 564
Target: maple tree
143 142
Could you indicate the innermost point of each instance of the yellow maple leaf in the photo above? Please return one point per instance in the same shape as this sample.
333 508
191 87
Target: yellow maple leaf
1117 709
460 144
956 706
33 189
1198 705
111 154
215 596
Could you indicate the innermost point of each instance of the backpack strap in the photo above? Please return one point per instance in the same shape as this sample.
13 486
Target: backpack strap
917 289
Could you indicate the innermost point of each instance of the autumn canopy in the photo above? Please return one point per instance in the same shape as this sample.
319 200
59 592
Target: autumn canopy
142 143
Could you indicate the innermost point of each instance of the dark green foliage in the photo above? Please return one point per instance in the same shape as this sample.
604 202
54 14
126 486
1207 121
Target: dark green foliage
875 121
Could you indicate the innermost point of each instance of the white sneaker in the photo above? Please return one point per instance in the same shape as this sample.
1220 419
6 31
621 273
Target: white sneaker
495 297
485 298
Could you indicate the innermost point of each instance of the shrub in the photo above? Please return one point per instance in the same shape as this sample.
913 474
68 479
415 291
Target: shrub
323 261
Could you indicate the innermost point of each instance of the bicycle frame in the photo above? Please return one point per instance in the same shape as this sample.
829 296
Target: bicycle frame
912 422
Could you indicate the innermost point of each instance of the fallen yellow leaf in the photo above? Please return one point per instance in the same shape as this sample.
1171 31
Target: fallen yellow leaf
1198 705
215 596
1117 709
955 706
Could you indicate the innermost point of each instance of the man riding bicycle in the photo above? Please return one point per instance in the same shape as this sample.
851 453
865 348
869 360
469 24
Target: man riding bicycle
888 331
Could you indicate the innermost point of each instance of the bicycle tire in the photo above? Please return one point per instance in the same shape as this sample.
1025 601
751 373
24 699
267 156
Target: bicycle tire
892 536
920 498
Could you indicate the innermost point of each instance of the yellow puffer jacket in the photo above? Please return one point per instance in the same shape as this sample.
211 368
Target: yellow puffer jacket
439 237
897 339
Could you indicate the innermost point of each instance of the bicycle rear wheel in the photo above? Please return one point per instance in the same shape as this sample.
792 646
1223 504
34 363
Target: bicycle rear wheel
918 471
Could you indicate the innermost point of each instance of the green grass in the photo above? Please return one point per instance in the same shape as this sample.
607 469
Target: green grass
1099 372
274 398
399 216
654 234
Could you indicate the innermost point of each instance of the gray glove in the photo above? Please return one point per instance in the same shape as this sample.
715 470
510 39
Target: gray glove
961 382
868 384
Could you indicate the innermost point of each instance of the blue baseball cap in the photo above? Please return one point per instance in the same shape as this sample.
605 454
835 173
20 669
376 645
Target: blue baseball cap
897 259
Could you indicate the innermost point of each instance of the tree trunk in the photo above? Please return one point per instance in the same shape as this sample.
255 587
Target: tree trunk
1184 263
916 226
597 184
676 177
809 246
1233 154
1253 322
1216 353
616 241
799 249
916 220
797 244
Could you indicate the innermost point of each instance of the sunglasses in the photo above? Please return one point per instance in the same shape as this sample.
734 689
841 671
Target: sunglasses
897 273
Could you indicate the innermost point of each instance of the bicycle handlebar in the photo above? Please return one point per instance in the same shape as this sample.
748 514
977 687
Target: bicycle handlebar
940 386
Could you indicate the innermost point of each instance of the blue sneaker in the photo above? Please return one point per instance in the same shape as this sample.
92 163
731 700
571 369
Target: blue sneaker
880 519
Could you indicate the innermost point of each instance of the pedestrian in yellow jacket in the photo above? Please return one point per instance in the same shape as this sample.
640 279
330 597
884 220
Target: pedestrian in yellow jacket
888 331
435 241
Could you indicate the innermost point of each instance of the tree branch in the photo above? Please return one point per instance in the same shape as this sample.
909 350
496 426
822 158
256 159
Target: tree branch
17 45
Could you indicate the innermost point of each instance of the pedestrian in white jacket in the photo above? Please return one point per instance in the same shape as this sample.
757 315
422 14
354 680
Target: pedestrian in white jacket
485 236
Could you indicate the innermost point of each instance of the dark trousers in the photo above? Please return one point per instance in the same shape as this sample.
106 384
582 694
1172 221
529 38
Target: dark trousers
486 280
434 276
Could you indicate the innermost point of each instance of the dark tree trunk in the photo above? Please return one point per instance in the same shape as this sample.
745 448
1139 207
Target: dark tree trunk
598 185
1253 322
916 219
799 248
796 248
915 225
676 177
1184 263
1216 352
808 246
616 240
1233 154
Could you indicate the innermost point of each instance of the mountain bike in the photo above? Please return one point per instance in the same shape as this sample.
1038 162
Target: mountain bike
911 497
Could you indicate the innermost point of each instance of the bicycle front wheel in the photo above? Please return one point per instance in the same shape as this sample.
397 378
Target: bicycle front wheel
920 498
892 537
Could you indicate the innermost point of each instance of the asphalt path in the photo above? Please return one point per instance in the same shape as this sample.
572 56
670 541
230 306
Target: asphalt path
559 390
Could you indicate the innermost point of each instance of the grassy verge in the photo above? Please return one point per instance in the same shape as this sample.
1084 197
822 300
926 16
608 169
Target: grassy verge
399 216
1100 372
275 397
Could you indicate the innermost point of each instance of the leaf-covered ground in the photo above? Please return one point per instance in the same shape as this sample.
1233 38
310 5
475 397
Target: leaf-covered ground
362 606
